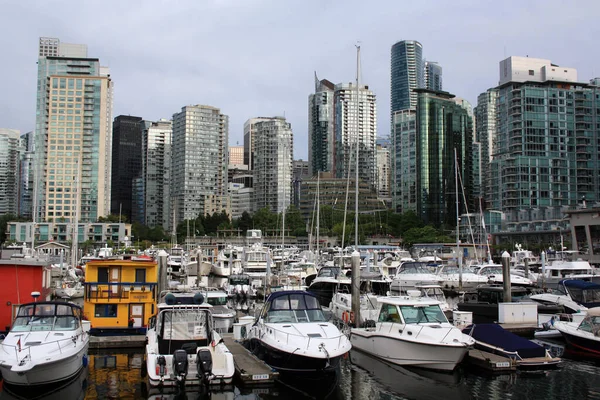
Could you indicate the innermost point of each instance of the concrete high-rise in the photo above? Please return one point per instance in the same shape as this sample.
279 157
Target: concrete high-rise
432 76
26 178
73 134
321 131
126 162
383 170
545 157
485 134
199 160
156 174
407 74
355 123
273 156
10 150
249 137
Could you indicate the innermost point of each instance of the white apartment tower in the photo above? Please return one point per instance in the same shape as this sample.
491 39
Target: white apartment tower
273 156
73 135
199 160
355 123
9 171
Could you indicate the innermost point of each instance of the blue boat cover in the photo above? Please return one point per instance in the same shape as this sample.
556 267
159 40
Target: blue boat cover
579 284
495 335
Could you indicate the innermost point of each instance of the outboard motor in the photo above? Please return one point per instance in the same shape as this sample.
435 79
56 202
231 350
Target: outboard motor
204 364
180 364
161 366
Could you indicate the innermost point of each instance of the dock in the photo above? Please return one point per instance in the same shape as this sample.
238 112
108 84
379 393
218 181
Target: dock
490 362
117 342
249 369
524 329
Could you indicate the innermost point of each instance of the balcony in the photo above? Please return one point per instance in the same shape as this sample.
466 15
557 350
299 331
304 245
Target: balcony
132 291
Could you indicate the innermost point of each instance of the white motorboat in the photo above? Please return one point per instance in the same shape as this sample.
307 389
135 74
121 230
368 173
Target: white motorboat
341 302
183 349
495 276
48 343
325 284
450 275
583 337
574 295
563 265
413 273
240 286
292 335
228 262
223 315
413 330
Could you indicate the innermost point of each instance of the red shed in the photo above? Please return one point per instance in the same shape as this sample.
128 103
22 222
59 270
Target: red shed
19 277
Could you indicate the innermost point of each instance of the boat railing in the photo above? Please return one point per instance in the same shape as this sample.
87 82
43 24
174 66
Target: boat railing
285 337
24 353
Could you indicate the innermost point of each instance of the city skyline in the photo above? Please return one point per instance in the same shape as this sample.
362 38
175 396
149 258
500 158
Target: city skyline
259 58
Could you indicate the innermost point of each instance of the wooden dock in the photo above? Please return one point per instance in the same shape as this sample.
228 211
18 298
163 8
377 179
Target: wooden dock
248 368
490 362
117 342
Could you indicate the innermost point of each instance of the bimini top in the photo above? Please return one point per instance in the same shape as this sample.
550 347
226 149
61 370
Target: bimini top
579 284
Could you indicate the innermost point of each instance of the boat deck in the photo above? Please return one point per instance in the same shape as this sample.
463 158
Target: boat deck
248 368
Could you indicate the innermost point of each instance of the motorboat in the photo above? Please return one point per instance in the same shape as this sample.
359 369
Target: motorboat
223 315
370 292
292 336
227 262
413 330
583 337
240 286
492 338
494 274
256 263
48 343
574 295
183 348
565 265
411 274
325 284
483 302
450 275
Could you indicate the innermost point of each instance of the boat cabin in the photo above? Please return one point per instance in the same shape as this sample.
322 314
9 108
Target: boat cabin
47 316
410 310
292 307
582 292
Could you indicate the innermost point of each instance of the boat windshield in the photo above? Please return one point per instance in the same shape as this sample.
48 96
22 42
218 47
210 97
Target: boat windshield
217 301
590 324
329 272
490 271
585 295
184 324
239 280
293 308
452 269
422 314
46 317
413 268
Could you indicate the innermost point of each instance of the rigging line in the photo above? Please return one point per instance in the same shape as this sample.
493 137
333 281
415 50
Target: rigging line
467 213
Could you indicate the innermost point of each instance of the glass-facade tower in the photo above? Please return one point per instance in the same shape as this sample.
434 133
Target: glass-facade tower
407 74
321 133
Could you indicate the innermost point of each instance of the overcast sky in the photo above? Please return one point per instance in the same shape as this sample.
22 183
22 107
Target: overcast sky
258 57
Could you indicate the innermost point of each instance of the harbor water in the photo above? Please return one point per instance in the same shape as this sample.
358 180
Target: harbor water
113 375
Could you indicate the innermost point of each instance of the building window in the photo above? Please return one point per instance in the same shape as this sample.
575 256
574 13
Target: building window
105 310
140 275
103 274
531 72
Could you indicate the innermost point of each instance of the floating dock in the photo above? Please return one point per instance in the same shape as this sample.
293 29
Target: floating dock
490 362
249 369
117 342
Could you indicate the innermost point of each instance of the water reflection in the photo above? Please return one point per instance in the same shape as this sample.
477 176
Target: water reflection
412 383
72 389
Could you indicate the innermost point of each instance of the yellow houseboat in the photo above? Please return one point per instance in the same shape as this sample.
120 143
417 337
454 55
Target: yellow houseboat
120 294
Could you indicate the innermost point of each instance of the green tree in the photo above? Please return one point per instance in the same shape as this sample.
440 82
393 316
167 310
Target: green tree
294 223
244 222
427 234
113 218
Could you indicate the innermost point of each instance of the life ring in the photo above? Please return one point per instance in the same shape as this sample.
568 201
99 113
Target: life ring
345 317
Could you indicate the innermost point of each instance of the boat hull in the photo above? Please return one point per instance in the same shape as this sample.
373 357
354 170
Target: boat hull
396 351
581 344
47 372
289 363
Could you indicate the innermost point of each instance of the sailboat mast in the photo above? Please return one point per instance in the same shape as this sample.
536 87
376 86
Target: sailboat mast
75 247
357 152
318 214
458 255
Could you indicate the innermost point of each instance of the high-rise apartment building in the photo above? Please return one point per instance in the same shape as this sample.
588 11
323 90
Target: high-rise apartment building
126 162
26 178
321 131
383 170
301 173
355 123
10 150
432 76
73 134
156 174
249 135
485 134
236 155
407 74
545 156
426 142
273 155
199 160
